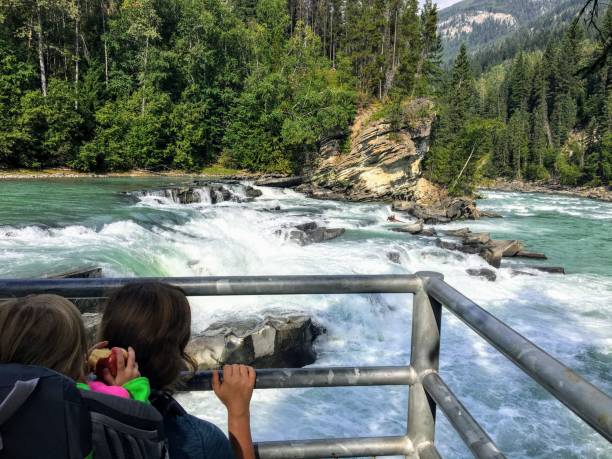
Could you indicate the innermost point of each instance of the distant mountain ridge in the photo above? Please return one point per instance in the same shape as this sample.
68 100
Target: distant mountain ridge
480 23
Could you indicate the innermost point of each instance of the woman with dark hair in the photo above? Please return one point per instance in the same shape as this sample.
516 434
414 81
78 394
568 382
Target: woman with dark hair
155 320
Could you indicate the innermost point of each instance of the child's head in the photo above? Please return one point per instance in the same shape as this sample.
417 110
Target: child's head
155 319
44 330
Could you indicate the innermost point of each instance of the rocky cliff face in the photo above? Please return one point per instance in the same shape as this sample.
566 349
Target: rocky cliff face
384 164
384 161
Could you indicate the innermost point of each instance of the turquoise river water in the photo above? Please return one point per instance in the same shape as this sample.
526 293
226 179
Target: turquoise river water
49 226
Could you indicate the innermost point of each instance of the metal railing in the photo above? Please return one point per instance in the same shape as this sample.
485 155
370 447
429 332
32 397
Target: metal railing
427 389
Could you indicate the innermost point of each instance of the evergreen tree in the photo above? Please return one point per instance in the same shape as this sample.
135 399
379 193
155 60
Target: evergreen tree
518 84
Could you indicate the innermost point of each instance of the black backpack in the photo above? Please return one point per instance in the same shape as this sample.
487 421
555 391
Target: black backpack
44 415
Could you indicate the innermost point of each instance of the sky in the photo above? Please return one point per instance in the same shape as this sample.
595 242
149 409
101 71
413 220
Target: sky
444 3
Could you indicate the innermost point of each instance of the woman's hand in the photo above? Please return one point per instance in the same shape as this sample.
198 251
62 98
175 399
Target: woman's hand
236 389
126 370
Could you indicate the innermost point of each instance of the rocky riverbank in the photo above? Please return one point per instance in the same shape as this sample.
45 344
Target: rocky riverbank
601 193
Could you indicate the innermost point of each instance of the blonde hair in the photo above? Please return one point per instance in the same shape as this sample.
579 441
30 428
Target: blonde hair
43 330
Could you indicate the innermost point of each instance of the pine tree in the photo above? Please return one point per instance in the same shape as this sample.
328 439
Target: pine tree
462 92
518 142
429 67
518 85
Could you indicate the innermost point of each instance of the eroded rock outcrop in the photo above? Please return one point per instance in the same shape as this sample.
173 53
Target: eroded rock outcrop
384 164
384 161
211 193
443 209
491 250
274 342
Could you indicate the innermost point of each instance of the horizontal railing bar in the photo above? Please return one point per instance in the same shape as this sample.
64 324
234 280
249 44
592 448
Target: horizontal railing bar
219 286
334 447
470 431
579 395
285 378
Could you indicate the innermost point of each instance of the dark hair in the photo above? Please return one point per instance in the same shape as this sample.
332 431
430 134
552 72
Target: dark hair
44 330
155 319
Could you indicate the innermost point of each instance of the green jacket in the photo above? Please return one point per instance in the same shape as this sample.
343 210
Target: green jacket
139 388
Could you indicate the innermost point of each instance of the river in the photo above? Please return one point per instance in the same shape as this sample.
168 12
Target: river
48 226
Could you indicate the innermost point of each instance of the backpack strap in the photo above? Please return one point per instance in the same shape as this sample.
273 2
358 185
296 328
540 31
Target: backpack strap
165 404
124 428
14 400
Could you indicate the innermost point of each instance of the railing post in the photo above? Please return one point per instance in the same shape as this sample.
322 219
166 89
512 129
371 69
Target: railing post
424 358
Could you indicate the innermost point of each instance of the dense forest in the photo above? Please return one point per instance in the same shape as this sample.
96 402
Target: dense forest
108 85
117 84
543 115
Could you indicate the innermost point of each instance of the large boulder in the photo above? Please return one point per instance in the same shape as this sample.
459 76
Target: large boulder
494 250
487 273
441 211
414 228
252 193
311 233
274 342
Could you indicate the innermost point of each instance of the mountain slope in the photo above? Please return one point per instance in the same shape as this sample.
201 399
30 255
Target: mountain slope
480 23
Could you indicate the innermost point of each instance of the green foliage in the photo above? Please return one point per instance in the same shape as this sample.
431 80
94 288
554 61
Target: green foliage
258 84
460 164
281 115
542 106
569 174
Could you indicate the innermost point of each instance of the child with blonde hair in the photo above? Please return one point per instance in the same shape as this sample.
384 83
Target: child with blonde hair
48 331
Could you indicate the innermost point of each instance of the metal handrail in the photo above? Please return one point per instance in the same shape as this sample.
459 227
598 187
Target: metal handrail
292 378
575 392
427 389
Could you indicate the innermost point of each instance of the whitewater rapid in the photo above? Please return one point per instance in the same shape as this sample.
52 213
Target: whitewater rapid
569 316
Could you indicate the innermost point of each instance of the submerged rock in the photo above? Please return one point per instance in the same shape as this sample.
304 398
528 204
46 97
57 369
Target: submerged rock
415 228
546 269
311 233
549 269
394 257
87 272
534 255
251 192
488 274
442 211
490 214
274 342
492 250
